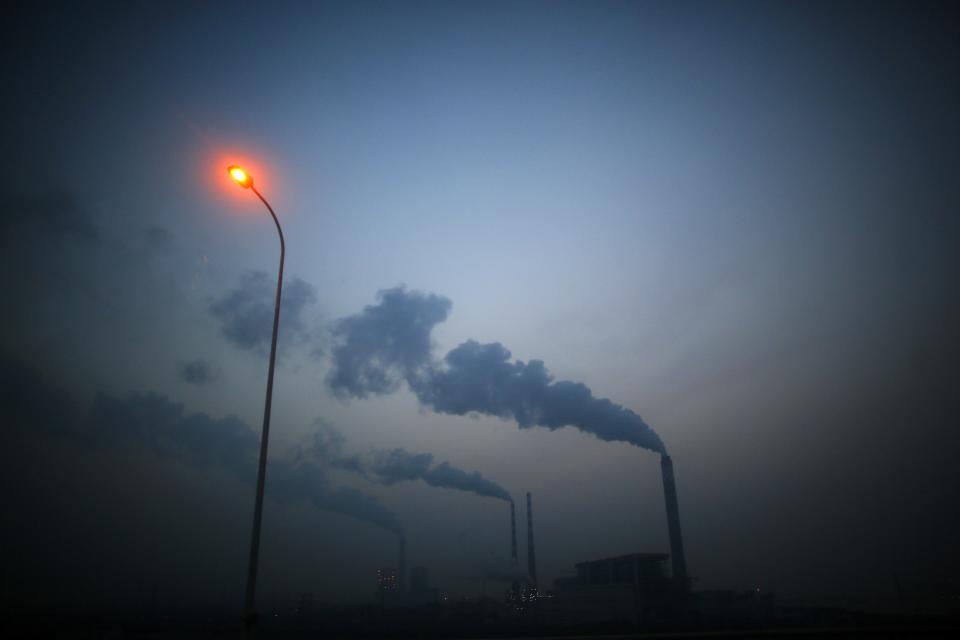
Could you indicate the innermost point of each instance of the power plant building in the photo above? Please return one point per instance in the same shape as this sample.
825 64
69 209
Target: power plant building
628 588
632 587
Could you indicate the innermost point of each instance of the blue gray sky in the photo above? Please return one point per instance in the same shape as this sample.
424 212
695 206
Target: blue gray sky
736 220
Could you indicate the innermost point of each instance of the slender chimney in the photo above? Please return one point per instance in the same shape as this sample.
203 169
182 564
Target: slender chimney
677 558
513 534
513 548
531 555
402 565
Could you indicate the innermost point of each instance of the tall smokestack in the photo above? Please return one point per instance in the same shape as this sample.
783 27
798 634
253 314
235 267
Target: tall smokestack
402 566
513 534
531 554
677 558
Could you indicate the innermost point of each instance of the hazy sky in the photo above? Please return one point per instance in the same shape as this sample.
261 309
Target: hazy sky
735 220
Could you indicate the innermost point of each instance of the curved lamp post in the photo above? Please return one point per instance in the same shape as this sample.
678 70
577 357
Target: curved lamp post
245 180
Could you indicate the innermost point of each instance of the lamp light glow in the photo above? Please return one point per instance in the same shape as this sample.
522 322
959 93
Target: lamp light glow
245 180
240 176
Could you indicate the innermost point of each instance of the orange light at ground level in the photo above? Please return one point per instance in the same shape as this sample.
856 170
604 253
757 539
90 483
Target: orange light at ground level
240 176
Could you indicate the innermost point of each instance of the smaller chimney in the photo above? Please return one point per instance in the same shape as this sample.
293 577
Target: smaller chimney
513 534
515 587
402 565
531 554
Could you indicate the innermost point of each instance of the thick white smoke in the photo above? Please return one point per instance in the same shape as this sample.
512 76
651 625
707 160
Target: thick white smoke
389 342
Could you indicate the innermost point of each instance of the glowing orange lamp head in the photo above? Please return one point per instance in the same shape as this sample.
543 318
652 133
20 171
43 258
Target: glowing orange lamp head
240 176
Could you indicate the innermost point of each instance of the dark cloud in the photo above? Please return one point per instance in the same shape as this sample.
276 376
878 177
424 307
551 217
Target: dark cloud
51 215
198 372
246 313
152 422
390 341
385 343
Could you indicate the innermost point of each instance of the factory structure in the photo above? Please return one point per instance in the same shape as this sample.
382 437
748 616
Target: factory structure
649 591
635 587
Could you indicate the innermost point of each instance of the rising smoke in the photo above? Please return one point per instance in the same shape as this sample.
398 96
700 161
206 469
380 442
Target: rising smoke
390 341
385 343
390 466
245 314
198 372
154 423
55 215
396 465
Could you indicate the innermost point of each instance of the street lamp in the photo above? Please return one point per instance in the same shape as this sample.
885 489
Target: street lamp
245 180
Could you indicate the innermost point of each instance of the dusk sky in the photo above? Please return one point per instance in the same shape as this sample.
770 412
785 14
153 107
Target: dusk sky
735 221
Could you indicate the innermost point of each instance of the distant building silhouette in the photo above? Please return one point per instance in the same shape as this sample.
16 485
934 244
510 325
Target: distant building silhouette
623 588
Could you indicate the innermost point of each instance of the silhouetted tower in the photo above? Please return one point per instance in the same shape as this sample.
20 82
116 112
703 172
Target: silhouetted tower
677 558
402 565
513 534
531 555
515 587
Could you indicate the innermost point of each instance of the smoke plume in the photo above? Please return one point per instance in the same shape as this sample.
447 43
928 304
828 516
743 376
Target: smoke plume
391 466
152 422
245 313
396 465
390 341
53 216
198 372
385 343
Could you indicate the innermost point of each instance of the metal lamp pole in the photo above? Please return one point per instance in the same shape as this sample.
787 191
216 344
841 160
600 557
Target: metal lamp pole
249 613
